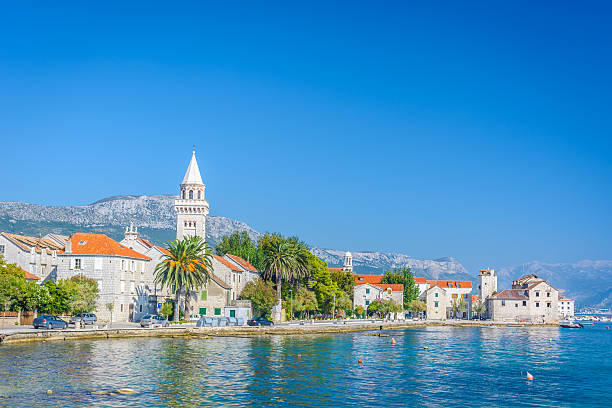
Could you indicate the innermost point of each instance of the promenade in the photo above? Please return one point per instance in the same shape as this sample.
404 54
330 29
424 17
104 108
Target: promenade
123 330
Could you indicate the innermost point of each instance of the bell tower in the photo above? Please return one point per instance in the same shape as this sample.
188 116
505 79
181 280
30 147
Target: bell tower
191 207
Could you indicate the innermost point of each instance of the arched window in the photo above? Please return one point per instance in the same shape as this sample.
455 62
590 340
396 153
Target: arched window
183 194
191 194
199 195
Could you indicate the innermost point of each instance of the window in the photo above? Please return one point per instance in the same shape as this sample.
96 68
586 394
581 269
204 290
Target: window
191 197
436 294
54 253
203 311
199 194
537 294
122 286
454 296
217 311
389 291
132 287
32 269
123 264
367 302
232 312
204 296
547 294
516 304
82 242
537 304
524 303
97 264
1 249
42 270
367 291
458 285
133 266
548 304
140 308
122 307
436 303
183 194
503 303
77 263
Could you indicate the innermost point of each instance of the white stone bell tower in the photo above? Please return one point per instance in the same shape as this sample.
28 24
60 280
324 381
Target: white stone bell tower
191 207
348 262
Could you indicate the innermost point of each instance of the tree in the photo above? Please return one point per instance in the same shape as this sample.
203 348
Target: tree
417 306
458 306
59 298
83 293
321 283
239 244
344 302
283 260
110 307
359 310
376 307
479 308
166 309
261 294
304 302
405 277
344 280
187 267
10 270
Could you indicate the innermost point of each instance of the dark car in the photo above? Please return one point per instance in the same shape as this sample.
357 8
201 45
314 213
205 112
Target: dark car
260 321
86 318
49 322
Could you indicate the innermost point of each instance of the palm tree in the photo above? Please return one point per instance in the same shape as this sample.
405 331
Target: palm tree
283 259
187 267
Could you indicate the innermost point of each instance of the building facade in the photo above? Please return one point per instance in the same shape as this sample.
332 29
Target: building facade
37 256
531 300
191 207
454 301
566 308
487 286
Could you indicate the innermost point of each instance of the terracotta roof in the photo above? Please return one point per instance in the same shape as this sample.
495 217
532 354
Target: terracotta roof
26 243
335 269
418 279
227 263
510 294
145 243
450 283
359 279
245 264
395 287
474 298
30 276
84 243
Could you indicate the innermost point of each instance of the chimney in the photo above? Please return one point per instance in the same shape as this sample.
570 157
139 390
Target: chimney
68 247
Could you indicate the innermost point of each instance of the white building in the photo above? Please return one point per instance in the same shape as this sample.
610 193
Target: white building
440 302
367 293
191 207
37 256
487 285
531 300
118 270
566 307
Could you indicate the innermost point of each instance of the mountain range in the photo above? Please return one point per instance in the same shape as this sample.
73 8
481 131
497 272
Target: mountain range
586 281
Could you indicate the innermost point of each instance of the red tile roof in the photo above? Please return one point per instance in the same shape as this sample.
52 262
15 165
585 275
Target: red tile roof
85 243
450 283
418 279
30 276
395 287
245 264
227 263
26 243
474 298
359 279
145 242
511 294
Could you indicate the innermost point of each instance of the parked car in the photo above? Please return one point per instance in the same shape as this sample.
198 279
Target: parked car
194 317
260 321
49 322
154 320
85 318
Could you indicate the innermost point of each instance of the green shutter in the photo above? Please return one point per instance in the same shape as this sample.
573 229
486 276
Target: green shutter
203 311
217 311
232 313
367 290
227 301
204 295
436 303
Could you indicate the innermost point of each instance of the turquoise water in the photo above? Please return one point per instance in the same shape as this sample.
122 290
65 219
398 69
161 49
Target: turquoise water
464 366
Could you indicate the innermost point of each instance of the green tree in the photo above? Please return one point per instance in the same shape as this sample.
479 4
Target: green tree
59 299
359 310
405 277
283 260
83 293
167 309
10 270
304 302
375 308
187 267
111 308
458 306
261 294
321 283
344 303
239 244
479 308
417 306
344 280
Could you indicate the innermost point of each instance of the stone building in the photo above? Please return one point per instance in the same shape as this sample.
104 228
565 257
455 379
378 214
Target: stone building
531 300
487 285
37 256
366 293
118 270
440 302
566 308
437 301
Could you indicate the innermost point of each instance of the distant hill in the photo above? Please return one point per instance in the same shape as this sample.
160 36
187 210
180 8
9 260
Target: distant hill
156 221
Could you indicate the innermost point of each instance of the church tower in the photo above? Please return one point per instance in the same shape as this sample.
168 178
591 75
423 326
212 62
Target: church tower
191 207
348 262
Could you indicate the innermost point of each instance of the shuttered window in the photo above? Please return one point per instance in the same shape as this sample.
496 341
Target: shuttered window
217 311
203 311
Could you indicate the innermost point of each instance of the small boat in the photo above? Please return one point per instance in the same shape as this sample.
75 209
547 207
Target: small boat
571 325
516 325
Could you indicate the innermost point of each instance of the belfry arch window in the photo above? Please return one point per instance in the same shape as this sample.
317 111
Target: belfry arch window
183 194
191 194
199 195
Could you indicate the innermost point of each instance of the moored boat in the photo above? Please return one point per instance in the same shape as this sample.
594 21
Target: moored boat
571 325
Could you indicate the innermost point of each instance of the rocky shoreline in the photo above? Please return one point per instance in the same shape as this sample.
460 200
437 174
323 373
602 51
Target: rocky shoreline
235 331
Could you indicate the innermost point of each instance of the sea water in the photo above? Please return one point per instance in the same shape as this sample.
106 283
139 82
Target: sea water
462 366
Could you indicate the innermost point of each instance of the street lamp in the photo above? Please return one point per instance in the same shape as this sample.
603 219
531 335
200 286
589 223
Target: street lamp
291 312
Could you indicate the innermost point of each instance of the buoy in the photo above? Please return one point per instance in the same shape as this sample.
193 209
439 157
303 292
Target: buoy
549 339
49 392
425 348
608 327
360 361
521 373
529 376
299 356
393 341
175 346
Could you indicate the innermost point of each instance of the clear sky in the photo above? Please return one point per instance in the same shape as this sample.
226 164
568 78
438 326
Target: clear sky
475 130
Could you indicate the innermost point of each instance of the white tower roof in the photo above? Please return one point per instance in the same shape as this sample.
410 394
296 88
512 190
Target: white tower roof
192 176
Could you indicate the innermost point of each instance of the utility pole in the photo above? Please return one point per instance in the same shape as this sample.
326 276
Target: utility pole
334 309
291 312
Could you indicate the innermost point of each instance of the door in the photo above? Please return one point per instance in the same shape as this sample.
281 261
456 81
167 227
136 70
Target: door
26 318
232 313
131 312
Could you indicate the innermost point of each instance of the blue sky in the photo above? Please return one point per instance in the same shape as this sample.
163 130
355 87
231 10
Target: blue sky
479 131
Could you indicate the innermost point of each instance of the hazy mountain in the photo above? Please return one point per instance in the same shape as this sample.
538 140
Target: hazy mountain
589 283
156 220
